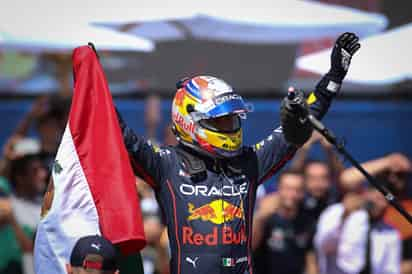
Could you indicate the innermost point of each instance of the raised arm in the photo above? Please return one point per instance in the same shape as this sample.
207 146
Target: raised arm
302 154
351 178
267 207
335 164
279 147
39 108
147 159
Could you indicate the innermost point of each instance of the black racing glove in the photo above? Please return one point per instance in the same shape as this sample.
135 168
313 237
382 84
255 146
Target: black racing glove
345 47
296 128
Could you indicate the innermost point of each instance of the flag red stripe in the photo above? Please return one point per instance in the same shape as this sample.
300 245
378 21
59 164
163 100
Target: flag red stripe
103 157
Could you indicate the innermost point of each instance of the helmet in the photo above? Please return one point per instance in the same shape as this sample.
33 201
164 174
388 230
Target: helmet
206 116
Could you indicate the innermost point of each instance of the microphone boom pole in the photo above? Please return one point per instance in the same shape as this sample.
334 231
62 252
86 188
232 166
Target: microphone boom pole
340 147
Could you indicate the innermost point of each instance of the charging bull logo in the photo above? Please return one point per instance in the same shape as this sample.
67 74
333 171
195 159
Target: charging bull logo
218 211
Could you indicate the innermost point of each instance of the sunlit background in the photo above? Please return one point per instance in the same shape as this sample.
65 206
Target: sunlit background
260 47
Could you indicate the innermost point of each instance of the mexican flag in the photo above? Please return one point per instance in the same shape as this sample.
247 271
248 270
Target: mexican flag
92 189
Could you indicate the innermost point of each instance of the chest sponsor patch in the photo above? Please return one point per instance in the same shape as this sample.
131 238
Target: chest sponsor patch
210 191
220 235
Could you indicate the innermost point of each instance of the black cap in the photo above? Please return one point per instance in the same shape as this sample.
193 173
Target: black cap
94 252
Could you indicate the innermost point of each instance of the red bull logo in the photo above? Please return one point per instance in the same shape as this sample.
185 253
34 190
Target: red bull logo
226 236
218 212
188 126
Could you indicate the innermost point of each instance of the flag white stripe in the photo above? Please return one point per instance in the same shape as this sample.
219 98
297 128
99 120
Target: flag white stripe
72 215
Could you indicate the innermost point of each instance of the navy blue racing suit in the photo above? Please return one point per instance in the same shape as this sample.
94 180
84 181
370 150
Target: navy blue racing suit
208 203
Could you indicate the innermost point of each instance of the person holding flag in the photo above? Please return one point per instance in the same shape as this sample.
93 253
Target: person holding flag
206 185
92 189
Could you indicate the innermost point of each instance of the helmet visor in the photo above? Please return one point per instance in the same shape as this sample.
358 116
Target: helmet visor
224 124
229 103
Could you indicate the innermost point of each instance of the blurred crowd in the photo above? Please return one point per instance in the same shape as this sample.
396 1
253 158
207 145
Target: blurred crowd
323 218
24 167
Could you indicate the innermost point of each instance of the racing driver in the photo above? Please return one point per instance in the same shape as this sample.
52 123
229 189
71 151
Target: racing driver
206 185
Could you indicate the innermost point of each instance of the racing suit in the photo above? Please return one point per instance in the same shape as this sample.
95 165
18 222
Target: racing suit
208 203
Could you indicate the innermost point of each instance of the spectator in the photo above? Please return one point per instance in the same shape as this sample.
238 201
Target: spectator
20 212
153 227
152 116
334 163
282 237
16 147
48 115
394 169
93 254
353 240
318 186
319 176
154 255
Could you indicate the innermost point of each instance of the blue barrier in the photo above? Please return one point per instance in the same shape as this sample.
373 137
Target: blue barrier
371 129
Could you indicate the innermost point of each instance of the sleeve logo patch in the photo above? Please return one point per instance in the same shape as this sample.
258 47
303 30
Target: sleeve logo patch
311 99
